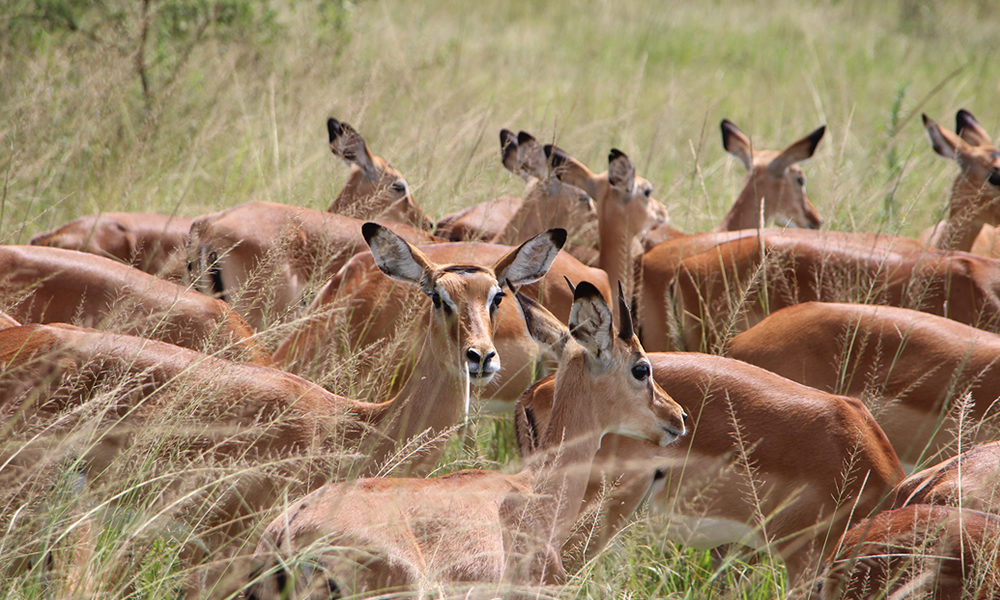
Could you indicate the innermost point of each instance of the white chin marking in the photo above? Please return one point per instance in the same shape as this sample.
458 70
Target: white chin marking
480 381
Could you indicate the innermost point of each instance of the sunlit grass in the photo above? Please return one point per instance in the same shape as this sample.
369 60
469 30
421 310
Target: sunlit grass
429 84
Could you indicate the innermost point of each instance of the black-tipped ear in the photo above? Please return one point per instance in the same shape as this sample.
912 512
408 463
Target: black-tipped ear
814 138
523 137
508 151
615 154
558 236
572 288
585 290
625 330
369 230
335 129
556 156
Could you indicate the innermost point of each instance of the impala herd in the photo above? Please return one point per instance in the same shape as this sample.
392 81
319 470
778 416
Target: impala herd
792 375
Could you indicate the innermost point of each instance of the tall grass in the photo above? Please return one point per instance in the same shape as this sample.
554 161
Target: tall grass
429 84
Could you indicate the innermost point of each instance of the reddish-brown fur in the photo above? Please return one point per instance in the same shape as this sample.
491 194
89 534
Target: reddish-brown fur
914 366
50 285
149 242
918 552
802 445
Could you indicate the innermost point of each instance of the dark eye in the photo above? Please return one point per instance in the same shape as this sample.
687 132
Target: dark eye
995 178
436 299
648 192
640 371
801 180
399 187
496 300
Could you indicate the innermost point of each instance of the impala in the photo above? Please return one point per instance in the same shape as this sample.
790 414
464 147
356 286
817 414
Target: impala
626 208
359 309
968 480
256 414
264 258
374 189
480 527
769 463
918 551
548 202
8 321
914 368
974 208
47 285
774 190
149 242
731 287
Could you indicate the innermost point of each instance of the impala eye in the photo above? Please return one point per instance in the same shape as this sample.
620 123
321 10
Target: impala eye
641 371
801 180
995 178
436 299
648 192
497 298
399 187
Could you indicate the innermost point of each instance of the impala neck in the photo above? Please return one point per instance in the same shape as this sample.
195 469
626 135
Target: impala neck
969 210
434 398
615 256
745 213
566 453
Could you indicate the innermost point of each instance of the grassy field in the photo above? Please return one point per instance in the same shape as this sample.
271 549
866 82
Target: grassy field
118 117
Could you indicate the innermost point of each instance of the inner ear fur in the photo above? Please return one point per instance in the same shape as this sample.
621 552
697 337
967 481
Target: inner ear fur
737 143
797 151
530 261
621 170
590 321
395 257
944 142
348 144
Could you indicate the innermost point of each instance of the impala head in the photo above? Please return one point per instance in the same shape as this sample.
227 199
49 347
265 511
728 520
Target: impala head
774 176
623 199
523 156
465 298
374 186
607 372
977 187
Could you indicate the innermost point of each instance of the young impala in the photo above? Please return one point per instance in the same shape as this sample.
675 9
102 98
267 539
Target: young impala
50 285
374 189
918 551
479 531
769 463
974 208
149 242
914 368
547 202
264 258
774 191
359 309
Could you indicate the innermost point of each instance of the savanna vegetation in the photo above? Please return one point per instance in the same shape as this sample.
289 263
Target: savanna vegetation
190 106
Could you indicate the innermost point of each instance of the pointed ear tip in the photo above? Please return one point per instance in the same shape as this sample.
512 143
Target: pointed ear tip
615 154
558 236
524 137
585 289
369 230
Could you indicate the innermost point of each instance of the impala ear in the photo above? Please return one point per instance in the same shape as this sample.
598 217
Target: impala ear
797 151
737 143
530 261
944 142
969 129
621 170
531 157
569 170
590 321
348 144
542 325
397 258
509 153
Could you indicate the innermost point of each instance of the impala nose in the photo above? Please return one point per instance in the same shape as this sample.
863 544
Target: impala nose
482 368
